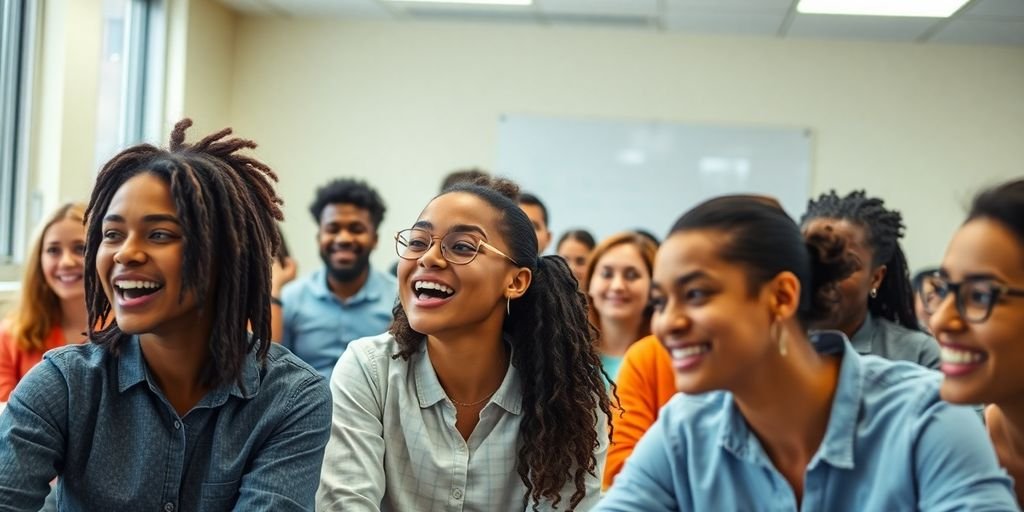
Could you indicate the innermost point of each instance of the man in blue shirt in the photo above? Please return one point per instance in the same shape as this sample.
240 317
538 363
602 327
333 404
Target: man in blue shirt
345 299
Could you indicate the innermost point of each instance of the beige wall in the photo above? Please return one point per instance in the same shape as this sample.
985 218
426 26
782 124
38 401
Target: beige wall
402 103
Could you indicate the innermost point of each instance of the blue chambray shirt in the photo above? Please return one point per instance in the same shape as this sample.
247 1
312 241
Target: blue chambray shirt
318 326
103 425
890 444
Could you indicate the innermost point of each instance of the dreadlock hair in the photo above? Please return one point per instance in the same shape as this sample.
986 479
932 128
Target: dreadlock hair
563 383
765 240
884 228
227 206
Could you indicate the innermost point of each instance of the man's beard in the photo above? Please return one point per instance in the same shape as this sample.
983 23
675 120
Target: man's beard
348 273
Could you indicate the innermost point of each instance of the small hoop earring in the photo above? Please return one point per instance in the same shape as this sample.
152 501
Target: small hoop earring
874 293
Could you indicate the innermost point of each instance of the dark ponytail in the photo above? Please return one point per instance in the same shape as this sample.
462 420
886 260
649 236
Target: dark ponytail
553 352
766 241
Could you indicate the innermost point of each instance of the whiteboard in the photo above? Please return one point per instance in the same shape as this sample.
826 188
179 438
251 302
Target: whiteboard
608 176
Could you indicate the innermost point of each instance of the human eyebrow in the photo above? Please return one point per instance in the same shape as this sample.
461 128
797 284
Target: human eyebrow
468 228
690 277
423 224
161 217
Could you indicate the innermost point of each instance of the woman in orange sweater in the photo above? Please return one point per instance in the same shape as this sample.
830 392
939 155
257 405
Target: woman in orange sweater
51 312
645 383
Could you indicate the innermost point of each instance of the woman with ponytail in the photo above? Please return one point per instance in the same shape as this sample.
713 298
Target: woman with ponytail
772 418
876 302
486 393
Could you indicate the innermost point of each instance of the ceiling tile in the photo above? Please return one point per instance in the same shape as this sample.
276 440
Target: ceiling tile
970 31
723 23
600 7
875 28
996 8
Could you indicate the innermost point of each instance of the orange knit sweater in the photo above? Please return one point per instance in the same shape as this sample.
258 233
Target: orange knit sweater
645 383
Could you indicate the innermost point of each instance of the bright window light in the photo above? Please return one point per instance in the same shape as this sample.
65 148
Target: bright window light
917 8
477 2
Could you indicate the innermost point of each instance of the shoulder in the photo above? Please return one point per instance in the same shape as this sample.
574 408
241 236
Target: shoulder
300 287
284 372
902 335
383 282
373 352
695 416
81 366
898 384
645 352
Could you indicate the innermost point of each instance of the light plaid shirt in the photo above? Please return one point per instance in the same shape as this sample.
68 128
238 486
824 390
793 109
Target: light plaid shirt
394 445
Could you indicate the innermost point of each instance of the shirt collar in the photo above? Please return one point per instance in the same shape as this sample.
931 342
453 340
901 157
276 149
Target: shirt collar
132 370
840 434
370 291
509 395
862 340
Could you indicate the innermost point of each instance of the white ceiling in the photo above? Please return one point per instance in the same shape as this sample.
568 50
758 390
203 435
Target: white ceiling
998 22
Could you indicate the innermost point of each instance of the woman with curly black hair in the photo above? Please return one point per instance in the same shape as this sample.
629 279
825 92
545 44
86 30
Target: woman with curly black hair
487 392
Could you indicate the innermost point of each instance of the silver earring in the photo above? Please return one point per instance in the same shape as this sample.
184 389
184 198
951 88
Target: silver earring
508 305
874 293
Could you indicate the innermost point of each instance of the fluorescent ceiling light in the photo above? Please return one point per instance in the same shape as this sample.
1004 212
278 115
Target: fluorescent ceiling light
917 8
477 2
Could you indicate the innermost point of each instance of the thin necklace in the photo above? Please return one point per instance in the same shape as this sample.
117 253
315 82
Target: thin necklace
478 402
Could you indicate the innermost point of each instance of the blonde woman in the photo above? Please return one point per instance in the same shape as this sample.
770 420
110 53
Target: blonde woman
618 286
51 312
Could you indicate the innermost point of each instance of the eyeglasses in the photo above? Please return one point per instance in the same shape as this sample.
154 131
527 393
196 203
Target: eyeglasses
456 247
974 298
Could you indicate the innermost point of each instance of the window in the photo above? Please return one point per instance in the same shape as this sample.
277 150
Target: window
131 67
17 30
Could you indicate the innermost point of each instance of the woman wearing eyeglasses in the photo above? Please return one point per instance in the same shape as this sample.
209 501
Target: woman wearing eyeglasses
487 393
977 314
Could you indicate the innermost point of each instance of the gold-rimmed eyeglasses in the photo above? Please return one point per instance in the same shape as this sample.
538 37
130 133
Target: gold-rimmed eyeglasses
457 247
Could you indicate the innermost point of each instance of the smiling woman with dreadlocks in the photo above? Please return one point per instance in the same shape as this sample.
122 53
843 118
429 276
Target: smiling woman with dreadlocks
876 302
172 406
487 394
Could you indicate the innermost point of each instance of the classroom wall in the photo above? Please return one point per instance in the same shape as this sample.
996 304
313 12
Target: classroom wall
401 104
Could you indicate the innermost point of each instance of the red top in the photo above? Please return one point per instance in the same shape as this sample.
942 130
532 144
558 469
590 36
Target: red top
15 362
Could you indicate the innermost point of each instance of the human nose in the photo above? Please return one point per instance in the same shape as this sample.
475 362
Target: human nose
130 253
946 316
69 259
433 256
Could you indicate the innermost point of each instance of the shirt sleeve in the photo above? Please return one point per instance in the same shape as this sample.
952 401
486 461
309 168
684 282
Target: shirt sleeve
638 411
294 451
645 483
353 476
33 431
956 466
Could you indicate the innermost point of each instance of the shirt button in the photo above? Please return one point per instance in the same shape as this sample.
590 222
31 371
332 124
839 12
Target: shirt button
457 494
177 425
169 507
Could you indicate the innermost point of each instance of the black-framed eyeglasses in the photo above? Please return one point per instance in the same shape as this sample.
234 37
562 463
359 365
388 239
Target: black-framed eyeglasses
457 247
974 297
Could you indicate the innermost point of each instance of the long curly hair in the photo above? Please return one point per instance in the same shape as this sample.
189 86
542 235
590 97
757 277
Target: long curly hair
227 206
554 352
884 229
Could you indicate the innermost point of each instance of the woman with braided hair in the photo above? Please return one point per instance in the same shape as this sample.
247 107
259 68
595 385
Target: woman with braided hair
487 393
876 302
172 405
